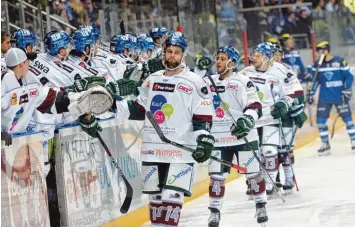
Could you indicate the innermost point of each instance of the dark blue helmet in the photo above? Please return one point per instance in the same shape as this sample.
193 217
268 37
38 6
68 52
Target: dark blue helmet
55 40
81 38
232 53
22 38
119 43
177 39
158 32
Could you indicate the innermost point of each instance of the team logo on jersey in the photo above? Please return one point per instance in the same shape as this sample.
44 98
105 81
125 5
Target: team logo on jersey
41 67
184 88
17 117
286 80
13 98
161 109
328 75
164 87
232 86
219 107
293 60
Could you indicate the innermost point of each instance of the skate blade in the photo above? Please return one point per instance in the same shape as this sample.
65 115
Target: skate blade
326 153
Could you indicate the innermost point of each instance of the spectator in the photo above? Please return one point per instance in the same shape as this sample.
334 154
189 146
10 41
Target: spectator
303 23
5 42
299 7
318 13
331 7
290 24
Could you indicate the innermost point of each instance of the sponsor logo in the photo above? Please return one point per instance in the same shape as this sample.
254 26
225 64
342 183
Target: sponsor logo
251 93
260 94
33 92
335 64
204 90
232 86
164 87
160 108
168 153
41 67
23 99
228 139
31 128
151 172
258 80
91 70
184 88
174 196
63 66
267 137
205 103
220 89
333 84
219 107
13 98
17 117
182 173
148 152
250 160
272 81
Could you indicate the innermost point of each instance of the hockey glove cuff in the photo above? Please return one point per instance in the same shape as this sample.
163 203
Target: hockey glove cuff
7 138
279 109
90 126
244 124
204 148
84 83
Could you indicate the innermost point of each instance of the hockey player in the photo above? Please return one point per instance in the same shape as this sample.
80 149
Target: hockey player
5 45
335 81
295 118
274 89
181 104
293 57
22 94
159 35
239 94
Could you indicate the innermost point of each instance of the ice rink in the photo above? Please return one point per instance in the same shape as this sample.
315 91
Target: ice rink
326 196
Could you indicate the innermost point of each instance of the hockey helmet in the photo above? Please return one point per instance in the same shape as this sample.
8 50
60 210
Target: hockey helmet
232 53
55 40
21 38
324 45
158 32
177 39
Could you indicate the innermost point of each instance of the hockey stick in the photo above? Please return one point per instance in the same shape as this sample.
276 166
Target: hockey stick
162 137
129 190
246 140
284 138
310 113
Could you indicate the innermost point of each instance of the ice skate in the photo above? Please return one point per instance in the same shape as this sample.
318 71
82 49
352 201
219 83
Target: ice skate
324 149
261 215
215 217
288 186
353 145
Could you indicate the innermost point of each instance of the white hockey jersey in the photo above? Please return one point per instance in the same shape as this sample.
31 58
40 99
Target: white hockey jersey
20 98
177 102
114 67
239 95
3 63
282 89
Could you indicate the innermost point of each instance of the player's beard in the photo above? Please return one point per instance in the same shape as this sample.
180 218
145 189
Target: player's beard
171 63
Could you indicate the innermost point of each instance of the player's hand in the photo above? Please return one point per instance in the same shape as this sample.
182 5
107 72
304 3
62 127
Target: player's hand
300 119
154 65
244 124
126 87
90 126
204 63
310 97
308 77
84 83
7 138
347 94
204 148
279 109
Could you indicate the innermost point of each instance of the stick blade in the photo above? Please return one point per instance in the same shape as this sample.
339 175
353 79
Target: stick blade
127 201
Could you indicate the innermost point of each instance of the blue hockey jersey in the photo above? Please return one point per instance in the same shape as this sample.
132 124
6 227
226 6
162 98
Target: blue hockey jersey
333 76
293 58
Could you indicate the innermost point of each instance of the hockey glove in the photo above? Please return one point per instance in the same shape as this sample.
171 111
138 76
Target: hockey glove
90 126
310 97
84 83
155 65
204 148
244 124
298 115
204 63
279 109
7 138
347 94
123 87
